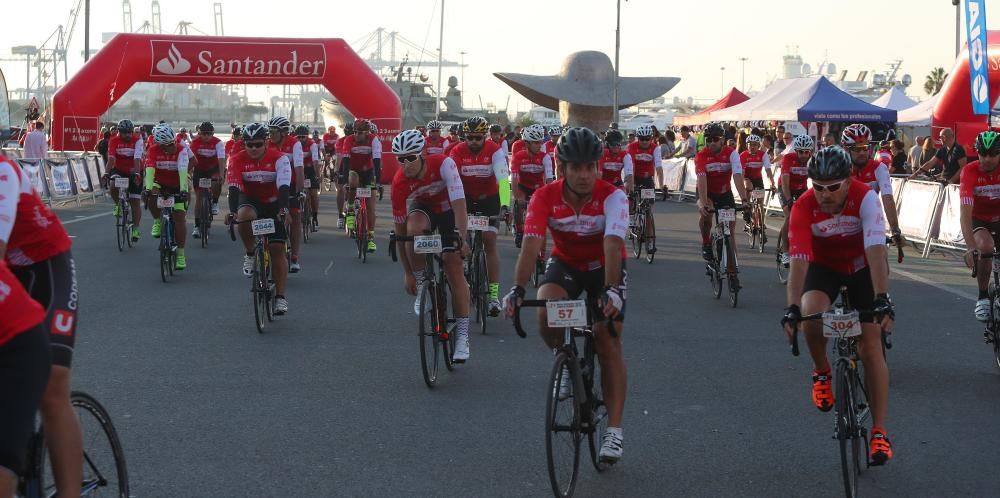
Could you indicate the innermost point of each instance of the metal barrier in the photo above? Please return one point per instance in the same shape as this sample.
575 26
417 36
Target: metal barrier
62 178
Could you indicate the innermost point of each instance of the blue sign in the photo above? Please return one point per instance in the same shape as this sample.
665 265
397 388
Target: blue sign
979 78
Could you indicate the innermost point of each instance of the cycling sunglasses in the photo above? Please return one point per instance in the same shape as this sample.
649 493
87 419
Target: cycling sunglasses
408 159
710 140
253 145
475 138
829 188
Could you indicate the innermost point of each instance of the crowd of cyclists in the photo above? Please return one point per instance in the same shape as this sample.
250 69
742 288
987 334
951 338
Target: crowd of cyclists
574 186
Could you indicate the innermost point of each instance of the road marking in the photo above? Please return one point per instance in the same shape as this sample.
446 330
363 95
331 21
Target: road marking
85 218
328 267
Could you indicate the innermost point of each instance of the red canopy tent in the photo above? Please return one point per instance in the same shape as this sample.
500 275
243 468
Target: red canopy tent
732 98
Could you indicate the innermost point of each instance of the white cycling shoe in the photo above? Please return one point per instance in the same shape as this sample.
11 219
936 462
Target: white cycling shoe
983 310
611 448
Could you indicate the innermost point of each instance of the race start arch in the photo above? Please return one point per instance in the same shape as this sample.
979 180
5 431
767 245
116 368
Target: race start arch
954 108
130 58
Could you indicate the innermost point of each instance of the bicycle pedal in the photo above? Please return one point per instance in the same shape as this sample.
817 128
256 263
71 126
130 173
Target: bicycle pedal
988 337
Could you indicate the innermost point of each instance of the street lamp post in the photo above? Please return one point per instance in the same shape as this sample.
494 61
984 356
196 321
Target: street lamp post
958 24
722 81
743 73
618 39
463 76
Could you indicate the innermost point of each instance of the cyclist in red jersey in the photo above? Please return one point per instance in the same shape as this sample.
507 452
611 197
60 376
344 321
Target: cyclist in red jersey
428 195
979 190
37 249
587 218
530 169
235 144
647 161
329 142
259 182
341 175
434 142
363 163
311 165
25 362
182 137
497 137
755 162
482 164
793 182
210 162
718 167
837 238
550 145
856 140
125 159
453 137
519 144
167 166
280 139
615 163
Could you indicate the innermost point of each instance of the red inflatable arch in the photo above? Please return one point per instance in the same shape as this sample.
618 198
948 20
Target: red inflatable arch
954 107
131 58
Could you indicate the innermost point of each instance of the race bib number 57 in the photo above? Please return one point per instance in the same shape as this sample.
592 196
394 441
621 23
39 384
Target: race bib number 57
566 313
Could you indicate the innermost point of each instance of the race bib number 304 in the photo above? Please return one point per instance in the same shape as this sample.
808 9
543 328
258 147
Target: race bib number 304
566 313
427 244
841 324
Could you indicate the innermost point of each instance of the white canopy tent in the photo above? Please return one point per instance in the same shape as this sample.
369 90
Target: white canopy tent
918 115
895 99
780 101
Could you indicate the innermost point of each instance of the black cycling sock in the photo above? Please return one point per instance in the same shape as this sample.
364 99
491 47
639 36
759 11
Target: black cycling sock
279 296
250 254
984 294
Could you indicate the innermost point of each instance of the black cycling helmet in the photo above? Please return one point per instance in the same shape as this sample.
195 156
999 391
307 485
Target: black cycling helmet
613 138
453 129
349 128
987 141
206 126
495 128
301 130
254 131
125 126
237 131
579 145
714 130
830 163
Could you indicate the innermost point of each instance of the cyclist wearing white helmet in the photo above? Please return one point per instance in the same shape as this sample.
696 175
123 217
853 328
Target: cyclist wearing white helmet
434 142
793 182
856 140
167 163
550 145
530 169
280 139
647 161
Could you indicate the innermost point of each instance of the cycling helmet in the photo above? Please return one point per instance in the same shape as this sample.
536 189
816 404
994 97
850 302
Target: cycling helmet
237 131
184 130
125 126
987 141
856 134
613 138
279 122
496 128
331 129
206 126
372 128
254 131
830 163
163 134
714 130
408 142
476 124
533 133
433 125
579 145
803 142
301 130
453 129
644 131
349 128
555 131
753 139
362 125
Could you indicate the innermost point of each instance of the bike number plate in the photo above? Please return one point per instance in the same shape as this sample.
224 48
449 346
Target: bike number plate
427 244
479 223
164 203
566 313
121 182
307 183
647 193
757 194
841 324
726 215
204 183
263 227
364 193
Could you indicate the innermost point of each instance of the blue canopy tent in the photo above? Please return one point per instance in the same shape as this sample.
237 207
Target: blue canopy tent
812 99
829 103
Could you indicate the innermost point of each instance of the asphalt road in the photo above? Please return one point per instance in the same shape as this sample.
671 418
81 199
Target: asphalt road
330 400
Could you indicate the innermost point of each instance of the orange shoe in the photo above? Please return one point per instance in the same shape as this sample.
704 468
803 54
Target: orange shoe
880 447
822 392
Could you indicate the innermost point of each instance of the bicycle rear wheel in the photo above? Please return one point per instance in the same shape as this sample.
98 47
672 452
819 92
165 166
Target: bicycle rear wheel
164 259
306 219
105 472
848 434
598 421
127 225
562 426
430 346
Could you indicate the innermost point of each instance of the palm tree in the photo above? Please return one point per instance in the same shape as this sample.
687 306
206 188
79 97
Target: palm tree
935 80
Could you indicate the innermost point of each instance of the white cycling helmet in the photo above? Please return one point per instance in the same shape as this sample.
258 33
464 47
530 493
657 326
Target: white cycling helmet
433 125
803 142
555 131
753 139
408 142
163 134
644 131
533 133
279 122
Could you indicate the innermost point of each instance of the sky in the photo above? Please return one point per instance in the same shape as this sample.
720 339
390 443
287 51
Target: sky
689 40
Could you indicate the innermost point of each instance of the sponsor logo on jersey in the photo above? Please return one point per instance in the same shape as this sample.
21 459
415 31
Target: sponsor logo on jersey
837 226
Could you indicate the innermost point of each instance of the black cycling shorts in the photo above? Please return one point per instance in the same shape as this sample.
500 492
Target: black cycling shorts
723 201
645 182
575 282
443 223
795 196
991 226
313 180
758 183
526 190
53 284
25 364
266 210
365 178
342 173
859 287
206 173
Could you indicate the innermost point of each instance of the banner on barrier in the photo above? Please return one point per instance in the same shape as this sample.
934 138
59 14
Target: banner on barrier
80 174
36 174
95 169
62 182
673 174
897 190
950 226
917 209
690 178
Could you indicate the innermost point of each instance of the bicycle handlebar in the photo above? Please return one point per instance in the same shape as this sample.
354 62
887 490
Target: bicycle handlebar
453 240
538 303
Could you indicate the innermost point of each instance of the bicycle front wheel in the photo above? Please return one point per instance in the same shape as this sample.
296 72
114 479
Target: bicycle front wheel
483 289
638 236
430 347
716 274
104 470
120 228
848 433
258 291
562 425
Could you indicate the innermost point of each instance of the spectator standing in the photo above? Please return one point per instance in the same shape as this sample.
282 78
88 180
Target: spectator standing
780 143
829 139
948 160
102 146
898 158
689 144
913 158
36 145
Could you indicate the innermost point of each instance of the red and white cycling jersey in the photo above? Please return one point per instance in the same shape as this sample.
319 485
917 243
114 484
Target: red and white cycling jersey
646 161
550 148
330 141
480 171
310 154
360 154
980 190
531 170
517 146
29 228
208 154
260 179
718 169
439 187
451 146
234 147
435 146
168 166
125 153
291 148
755 164
614 167
837 242
340 146
876 175
578 237
798 173
19 311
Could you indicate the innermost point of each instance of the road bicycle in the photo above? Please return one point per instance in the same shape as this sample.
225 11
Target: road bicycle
757 230
168 246
123 221
263 293
642 199
724 266
992 333
203 211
